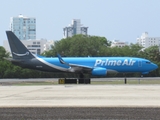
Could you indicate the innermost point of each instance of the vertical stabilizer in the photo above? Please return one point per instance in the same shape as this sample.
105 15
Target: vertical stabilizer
18 50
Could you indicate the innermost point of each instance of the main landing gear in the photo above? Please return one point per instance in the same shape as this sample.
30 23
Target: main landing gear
83 80
80 80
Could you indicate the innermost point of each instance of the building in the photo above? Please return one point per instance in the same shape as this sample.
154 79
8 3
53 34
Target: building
147 41
75 28
118 43
23 27
34 46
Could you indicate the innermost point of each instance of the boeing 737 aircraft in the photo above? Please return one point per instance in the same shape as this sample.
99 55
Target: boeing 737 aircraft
96 66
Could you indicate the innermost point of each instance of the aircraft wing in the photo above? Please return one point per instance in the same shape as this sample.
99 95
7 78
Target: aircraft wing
79 68
75 67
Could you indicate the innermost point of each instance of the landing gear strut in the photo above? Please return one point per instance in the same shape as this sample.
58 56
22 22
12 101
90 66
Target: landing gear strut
139 78
81 76
83 80
125 79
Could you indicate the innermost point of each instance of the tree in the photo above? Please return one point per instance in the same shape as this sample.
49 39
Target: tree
3 53
79 45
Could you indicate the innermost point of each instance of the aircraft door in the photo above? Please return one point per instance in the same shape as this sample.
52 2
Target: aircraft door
139 63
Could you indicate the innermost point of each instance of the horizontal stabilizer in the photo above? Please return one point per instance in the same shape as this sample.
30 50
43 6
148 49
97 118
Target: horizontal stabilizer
12 60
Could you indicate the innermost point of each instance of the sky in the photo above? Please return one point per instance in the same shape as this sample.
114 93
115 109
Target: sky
123 20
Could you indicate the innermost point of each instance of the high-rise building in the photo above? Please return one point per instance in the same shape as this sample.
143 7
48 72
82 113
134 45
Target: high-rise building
147 41
118 43
75 28
23 27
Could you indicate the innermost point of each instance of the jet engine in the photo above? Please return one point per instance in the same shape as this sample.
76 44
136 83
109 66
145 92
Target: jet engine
99 71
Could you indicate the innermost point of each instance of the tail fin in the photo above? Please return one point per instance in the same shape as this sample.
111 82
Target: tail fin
18 50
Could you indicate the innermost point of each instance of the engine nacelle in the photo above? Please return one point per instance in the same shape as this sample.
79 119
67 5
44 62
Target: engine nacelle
145 73
99 71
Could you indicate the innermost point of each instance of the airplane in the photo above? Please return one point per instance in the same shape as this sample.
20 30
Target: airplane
95 66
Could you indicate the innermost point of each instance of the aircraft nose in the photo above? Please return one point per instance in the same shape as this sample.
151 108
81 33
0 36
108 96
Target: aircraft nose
155 66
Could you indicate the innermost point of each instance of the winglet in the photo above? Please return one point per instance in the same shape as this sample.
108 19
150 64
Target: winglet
61 60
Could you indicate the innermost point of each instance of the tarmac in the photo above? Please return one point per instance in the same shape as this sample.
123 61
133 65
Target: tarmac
80 96
70 102
89 102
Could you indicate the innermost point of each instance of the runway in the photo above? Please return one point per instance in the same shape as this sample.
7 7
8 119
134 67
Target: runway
80 96
80 102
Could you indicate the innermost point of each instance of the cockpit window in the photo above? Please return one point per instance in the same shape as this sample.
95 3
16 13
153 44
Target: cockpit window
148 62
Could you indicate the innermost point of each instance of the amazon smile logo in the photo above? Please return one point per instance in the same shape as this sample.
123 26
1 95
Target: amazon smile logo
27 53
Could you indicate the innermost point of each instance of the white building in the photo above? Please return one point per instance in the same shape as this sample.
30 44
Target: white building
23 27
118 43
75 28
147 41
34 46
